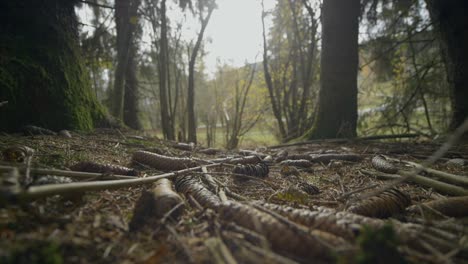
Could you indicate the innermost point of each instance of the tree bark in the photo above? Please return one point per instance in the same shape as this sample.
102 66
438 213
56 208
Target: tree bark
42 75
131 108
125 22
166 119
337 105
449 18
192 126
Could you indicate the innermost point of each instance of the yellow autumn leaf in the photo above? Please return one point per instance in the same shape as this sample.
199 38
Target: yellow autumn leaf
133 20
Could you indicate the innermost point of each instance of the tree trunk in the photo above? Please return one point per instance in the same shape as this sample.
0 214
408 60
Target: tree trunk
449 18
337 106
166 120
131 109
192 126
42 75
125 23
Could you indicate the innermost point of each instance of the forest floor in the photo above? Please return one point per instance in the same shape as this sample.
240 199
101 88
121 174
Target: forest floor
342 214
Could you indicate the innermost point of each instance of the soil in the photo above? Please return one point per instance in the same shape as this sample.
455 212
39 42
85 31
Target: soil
92 227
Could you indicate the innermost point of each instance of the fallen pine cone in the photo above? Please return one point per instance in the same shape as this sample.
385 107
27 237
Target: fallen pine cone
383 205
162 162
258 170
35 130
309 188
382 165
297 163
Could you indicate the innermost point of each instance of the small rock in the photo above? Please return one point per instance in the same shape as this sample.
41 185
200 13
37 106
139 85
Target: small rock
65 133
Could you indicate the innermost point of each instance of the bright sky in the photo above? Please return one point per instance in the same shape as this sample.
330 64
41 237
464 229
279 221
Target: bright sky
234 33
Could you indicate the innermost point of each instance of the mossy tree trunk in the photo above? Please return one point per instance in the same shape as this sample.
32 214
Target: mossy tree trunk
449 17
337 105
42 75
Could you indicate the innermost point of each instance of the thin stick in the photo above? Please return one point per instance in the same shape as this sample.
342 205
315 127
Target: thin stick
413 174
344 140
36 192
436 185
453 178
65 173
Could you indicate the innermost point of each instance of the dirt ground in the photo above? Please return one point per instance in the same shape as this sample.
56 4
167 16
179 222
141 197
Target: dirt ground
93 227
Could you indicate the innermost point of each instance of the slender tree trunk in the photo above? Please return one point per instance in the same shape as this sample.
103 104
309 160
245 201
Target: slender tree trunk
42 74
125 22
275 107
192 126
337 105
449 17
163 77
131 109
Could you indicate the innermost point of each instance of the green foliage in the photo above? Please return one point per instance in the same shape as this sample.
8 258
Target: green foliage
403 86
378 246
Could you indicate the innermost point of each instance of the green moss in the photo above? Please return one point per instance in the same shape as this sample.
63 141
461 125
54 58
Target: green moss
35 252
378 246
42 74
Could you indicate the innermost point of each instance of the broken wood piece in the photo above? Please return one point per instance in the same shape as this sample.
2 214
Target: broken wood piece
214 185
439 186
452 207
89 166
184 146
209 151
161 202
162 162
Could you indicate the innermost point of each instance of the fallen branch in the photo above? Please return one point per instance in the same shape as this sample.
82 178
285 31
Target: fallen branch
449 177
36 192
3 103
345 140
453 139
439 186
65 173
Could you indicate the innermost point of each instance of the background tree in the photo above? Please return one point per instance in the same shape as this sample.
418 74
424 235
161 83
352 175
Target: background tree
402 76
126 20
290 69
336 114
205 9
42 74
449 18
